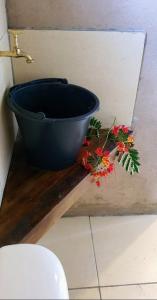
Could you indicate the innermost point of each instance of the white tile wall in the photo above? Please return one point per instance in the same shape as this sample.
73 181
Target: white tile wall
3 20
7 124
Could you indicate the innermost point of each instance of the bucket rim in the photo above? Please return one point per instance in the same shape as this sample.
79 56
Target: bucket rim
29 115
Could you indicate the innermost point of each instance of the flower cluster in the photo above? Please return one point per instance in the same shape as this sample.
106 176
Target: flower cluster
99 162
122 137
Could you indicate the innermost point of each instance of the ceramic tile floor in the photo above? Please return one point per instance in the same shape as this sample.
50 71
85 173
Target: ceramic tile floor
107 257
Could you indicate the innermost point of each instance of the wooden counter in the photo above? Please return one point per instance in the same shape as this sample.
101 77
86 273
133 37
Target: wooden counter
35 199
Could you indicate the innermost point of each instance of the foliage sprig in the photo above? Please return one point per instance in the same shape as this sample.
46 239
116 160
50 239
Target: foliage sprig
100 163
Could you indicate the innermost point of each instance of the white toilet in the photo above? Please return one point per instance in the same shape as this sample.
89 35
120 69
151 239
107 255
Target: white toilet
31 272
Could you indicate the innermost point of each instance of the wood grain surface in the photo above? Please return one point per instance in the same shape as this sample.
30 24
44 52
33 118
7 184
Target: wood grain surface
35 199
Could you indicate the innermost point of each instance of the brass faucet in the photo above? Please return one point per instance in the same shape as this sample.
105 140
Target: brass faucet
16 52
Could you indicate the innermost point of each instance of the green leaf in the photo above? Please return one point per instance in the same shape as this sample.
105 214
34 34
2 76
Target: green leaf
122 137
97 133
133 152
95 123
128 164
137 162
95 126
98 125
91 159
130 161
124 159
91 121
136 169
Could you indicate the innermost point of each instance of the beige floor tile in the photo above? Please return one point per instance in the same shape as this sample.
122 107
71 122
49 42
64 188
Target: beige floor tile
126 249
90 294
71 241
148 291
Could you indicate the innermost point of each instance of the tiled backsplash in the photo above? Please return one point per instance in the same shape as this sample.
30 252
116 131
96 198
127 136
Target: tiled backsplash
106 62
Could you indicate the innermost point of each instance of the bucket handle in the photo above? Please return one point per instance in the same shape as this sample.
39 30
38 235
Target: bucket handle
17 109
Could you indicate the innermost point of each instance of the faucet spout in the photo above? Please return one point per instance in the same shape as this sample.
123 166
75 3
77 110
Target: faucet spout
27 57
16 52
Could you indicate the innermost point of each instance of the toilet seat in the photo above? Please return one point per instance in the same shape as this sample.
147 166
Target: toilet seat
31 272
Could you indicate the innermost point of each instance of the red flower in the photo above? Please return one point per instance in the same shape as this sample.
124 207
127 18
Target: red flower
106 153
115 130
121 147
86 154
99 151
88 167
95 174
103 173
125 129
110 168
85 162
98 183
86 142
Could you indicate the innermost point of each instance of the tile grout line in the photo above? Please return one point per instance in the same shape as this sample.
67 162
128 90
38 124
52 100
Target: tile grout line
114 285
83 288
2 36
129 284
95 256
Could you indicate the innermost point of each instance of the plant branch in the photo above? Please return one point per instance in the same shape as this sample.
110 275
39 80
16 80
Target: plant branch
108 133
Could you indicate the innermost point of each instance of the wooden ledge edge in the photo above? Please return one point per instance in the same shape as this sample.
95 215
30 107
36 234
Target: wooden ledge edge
57 212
